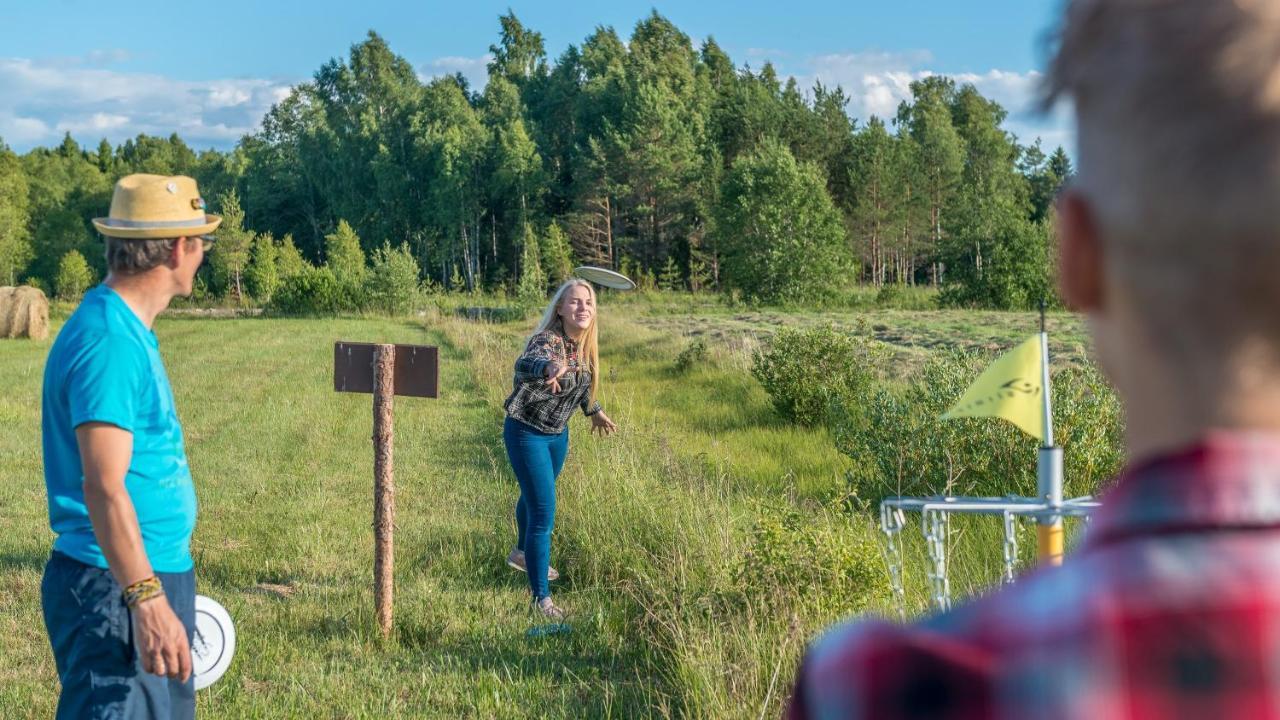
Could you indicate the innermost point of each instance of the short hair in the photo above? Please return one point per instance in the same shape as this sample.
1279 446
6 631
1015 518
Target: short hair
132 257
1178 117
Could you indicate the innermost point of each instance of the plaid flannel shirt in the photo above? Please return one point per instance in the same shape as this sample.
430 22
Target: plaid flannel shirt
531 400
1169 609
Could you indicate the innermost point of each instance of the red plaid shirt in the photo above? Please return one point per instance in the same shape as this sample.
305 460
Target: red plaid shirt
1169 609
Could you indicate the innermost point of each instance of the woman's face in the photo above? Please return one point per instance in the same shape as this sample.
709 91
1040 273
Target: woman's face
577 309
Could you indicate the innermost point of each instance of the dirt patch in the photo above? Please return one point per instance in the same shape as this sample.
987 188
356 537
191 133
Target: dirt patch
276 590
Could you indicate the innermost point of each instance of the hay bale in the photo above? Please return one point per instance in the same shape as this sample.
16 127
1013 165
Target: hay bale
24 313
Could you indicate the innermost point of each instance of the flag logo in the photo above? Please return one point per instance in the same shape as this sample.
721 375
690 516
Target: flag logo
1011 388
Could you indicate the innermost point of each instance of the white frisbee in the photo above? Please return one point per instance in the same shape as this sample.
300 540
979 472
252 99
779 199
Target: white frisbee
607 278
214 642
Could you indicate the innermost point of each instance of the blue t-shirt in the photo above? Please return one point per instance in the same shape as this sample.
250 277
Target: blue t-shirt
105 367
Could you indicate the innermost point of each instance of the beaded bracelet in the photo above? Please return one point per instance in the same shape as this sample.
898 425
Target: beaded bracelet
142 591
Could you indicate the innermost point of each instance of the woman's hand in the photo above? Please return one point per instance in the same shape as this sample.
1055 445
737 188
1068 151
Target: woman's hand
601 422
554 371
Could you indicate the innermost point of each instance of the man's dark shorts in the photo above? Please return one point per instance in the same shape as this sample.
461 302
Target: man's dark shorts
91 631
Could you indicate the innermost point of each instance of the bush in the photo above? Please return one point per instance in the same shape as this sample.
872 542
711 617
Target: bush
695 354
392 284
796 559
900 446
805 371
313 291
74 276
36 283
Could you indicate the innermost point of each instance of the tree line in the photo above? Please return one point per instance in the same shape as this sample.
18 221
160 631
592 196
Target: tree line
661 159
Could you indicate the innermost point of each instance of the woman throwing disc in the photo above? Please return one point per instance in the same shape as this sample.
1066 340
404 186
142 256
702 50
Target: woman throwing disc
557 373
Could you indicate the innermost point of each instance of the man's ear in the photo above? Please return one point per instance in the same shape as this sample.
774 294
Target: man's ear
1080 271
178 254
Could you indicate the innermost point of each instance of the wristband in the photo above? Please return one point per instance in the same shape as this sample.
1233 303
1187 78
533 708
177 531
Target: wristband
142 591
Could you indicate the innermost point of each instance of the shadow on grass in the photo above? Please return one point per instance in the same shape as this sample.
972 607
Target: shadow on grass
13 560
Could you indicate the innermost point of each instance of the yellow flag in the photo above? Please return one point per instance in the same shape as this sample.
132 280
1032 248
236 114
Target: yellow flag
1011 389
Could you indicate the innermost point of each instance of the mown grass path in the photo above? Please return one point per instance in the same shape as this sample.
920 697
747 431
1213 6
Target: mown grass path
283 468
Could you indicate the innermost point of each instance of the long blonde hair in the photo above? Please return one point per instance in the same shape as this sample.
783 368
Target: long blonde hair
588 347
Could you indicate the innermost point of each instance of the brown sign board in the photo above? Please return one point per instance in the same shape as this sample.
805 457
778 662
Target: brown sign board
417 369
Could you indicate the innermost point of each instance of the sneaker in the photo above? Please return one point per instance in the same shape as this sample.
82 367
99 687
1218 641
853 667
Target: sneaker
516 562
548 609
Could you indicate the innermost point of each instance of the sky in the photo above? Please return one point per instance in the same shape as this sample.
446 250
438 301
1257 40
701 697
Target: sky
210 71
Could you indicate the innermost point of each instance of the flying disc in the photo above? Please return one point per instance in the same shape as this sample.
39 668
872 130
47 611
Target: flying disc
214 642
607 278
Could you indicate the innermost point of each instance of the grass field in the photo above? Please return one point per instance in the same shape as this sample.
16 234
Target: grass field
700 547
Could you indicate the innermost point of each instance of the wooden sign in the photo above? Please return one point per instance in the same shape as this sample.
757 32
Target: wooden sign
385 371
417 369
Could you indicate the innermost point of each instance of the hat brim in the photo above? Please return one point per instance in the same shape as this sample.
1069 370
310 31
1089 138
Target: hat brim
157 233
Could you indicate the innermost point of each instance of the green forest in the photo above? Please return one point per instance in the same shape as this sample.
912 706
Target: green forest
648 154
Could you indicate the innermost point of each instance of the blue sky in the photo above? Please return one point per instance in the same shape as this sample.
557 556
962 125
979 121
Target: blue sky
210 70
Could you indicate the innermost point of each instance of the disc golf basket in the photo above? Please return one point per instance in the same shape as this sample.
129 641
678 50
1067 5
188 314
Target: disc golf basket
1047 509
935 526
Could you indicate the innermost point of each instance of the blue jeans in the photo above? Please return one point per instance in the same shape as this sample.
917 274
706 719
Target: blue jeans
91 632
537 458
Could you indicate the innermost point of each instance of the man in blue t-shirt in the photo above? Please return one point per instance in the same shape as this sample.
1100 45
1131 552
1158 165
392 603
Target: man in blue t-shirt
118 593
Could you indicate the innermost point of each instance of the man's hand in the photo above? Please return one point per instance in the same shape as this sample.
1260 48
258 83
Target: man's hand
554 371
105 454
601 422
161 640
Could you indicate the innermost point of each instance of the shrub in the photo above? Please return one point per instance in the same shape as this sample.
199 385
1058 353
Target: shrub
795 559
74 276
313 291
900 446
392 284
804 371
36 283
695 354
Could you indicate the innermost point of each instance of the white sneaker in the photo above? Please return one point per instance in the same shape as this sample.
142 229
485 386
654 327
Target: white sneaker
548 609
516 562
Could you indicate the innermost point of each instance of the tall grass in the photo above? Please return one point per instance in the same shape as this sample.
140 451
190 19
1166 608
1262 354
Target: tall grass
701 547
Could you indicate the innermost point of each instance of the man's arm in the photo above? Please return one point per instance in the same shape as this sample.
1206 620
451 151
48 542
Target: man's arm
105 453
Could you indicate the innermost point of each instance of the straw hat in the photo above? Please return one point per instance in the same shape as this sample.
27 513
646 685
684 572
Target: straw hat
148 207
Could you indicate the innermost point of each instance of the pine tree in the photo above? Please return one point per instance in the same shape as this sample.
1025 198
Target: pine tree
263 273
670 279
532 287
230 254
556 257
289 261
343 256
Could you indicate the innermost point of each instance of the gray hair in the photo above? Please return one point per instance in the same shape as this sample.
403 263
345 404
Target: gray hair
132 257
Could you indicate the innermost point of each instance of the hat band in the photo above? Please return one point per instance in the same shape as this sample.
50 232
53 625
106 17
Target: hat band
146 224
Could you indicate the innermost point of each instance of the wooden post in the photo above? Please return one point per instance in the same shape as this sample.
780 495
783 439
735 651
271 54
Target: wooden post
384 488
385 371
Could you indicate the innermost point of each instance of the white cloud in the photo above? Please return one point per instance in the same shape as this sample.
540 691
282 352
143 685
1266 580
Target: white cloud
42 99
97 122
21 132
474 69
876 82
